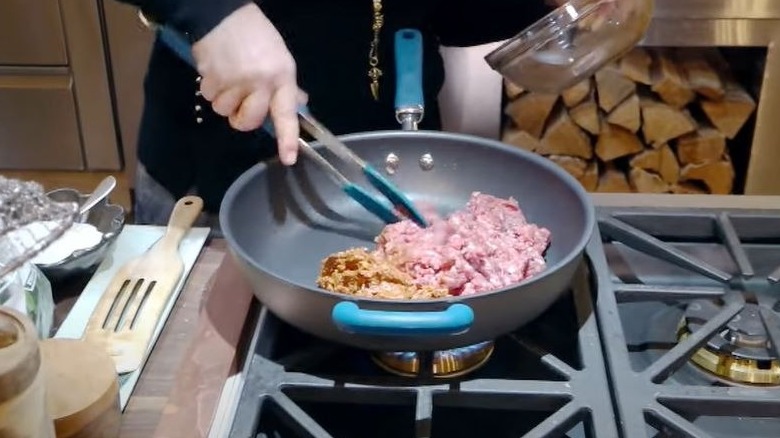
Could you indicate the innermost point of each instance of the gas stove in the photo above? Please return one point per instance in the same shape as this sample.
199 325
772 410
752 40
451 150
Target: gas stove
667 330
690 326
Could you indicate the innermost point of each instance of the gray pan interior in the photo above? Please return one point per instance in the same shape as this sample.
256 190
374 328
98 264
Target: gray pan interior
281 222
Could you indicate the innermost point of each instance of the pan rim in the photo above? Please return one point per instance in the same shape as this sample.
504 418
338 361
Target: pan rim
577 251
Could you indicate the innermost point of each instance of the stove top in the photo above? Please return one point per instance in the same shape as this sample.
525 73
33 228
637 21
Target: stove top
691 348
667 331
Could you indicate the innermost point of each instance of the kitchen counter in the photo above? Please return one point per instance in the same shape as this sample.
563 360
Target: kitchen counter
179 389
156 393
177 358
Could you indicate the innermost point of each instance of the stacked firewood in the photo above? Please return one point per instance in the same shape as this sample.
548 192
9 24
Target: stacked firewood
656 121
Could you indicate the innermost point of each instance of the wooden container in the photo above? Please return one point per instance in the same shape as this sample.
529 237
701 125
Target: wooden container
82 389
23 411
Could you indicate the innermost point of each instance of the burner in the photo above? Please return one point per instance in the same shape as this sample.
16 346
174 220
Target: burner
440 364
741 352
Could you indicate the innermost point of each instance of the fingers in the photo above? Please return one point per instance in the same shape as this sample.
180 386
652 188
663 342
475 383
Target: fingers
248 112
284 111
225 101
245 82
303 98
209 87
229 101
251 113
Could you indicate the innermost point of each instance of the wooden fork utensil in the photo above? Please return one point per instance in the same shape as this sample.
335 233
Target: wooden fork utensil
127 314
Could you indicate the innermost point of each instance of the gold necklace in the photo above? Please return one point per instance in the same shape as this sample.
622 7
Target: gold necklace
373 54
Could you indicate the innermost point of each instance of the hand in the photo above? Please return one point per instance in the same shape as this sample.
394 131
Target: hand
248 72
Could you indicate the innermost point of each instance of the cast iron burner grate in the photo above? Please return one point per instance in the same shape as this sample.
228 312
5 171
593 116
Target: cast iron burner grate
547 379
692 347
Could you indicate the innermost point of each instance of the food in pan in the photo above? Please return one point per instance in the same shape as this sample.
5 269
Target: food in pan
360 272
485 246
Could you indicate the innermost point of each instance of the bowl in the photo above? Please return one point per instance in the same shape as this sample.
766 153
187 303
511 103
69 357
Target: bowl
571 43
107 218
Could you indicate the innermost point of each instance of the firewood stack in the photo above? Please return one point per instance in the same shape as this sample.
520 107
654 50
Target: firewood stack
656 121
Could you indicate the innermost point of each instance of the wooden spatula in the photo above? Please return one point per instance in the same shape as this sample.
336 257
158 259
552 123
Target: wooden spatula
128 312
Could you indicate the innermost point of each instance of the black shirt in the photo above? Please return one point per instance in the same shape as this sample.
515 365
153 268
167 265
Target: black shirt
329 40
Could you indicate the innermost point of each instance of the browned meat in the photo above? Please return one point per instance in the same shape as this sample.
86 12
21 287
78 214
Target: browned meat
363 273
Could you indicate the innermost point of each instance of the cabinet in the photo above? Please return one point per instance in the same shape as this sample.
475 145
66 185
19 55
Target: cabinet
56 111
44 46
130 45
38 121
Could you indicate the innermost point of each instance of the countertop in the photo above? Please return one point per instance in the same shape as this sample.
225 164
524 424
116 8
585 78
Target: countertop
179 388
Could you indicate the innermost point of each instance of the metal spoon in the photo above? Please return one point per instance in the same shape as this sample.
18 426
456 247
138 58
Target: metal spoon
101 191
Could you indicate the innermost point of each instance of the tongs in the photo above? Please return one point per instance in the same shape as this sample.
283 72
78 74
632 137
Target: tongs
363 197
400 203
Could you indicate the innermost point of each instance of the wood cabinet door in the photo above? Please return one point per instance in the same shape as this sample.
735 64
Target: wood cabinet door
31 33
39 127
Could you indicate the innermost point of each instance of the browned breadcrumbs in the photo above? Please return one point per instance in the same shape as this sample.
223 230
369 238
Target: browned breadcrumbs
361 273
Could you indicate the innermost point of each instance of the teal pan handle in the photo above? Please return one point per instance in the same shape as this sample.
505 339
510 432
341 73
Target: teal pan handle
408 70
456 319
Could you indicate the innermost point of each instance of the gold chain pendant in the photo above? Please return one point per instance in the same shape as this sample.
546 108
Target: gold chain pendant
374 72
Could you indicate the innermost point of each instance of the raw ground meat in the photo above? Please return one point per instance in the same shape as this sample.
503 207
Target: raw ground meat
485 246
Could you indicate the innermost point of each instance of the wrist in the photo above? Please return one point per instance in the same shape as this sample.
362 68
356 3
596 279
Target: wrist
199 17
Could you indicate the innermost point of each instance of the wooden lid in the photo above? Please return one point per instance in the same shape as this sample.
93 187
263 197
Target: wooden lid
19 355
82 388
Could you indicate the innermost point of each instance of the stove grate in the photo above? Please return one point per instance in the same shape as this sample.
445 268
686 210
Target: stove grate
646 397
278 401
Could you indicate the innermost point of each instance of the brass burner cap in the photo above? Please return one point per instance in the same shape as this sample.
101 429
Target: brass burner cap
446 364
735 369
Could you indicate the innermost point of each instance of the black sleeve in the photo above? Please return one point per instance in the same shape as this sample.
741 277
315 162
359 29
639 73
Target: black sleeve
465 23
195 17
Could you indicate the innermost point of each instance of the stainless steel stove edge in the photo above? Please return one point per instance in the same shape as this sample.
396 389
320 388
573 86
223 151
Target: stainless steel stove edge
740 202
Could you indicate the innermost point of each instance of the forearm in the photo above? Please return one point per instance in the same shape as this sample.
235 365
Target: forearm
195 17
